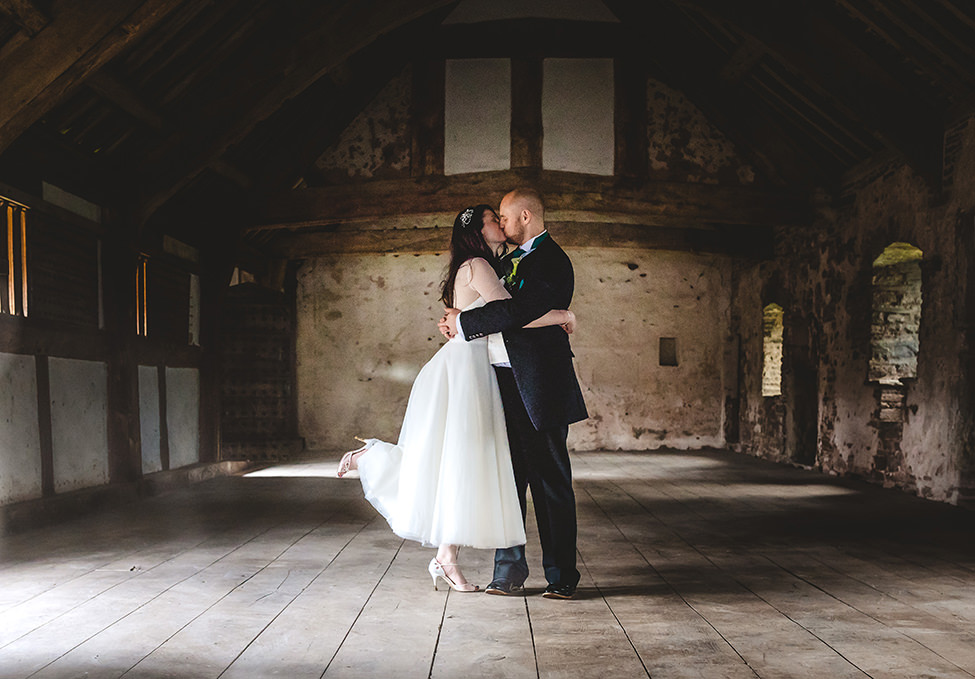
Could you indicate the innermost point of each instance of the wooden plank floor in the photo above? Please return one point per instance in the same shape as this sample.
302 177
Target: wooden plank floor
694 564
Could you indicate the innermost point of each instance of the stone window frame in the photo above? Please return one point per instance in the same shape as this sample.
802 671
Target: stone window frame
895 372
769 371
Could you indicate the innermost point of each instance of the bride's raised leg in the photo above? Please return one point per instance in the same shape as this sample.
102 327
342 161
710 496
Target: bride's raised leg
444 565
350 460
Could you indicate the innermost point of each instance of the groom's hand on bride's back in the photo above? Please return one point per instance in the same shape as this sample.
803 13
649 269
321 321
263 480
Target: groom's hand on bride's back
448 323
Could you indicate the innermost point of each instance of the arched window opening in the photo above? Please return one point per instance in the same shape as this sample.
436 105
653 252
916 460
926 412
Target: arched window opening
896 314
772 325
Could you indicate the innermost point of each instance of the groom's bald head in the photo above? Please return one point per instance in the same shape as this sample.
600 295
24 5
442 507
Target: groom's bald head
528 199
522 215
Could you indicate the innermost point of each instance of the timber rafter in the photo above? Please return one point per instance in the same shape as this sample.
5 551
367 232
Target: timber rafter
692 67
330 37
840 71
26 14
423 203
41 72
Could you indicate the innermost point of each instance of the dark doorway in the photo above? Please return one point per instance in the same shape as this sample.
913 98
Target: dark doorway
801 392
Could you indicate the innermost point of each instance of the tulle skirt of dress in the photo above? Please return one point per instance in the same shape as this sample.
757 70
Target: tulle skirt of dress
448 480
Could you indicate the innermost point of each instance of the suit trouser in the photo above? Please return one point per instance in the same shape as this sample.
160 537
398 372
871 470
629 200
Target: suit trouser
541 462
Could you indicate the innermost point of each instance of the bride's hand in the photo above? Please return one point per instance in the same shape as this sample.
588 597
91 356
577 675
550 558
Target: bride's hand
570 325
448 323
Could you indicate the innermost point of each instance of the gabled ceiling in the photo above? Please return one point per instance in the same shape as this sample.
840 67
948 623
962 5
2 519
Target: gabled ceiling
167 107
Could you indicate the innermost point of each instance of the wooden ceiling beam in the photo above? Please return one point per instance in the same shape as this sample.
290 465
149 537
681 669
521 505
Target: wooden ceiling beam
742 61
114 91
162 46
529 37
25 14
333 34
679 62
222 38
962 17
741 241
310 123
930 58
41 72
119 94
427 201
228 170
841 70
944 31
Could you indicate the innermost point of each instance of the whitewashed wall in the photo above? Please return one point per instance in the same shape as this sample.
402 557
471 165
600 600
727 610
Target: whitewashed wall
477 115
20 456
149 418
577 116
183 416
626 301
367 323
79 424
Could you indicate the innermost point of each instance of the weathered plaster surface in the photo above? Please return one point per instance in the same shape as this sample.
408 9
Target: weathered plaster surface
183 416
20 455
79 423
377 143
577 115
626 301
477 115
149 418
685 146
824 273
367 323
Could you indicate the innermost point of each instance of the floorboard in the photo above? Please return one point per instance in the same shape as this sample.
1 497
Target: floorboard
700 564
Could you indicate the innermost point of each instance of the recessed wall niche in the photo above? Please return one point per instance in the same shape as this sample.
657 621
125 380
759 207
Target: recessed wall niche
668 351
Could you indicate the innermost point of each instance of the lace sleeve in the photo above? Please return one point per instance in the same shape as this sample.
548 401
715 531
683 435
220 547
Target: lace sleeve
465 272
484 279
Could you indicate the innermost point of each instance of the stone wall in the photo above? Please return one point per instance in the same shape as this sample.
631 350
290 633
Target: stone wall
915 435
367 323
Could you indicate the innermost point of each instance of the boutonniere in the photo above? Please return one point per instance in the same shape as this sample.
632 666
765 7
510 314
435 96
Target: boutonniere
512 276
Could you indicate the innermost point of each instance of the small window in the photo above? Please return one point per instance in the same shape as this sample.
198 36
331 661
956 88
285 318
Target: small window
13 270
772 326
141 312
896 314
668 351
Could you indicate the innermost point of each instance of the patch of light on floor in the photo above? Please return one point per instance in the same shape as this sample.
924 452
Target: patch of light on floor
325 469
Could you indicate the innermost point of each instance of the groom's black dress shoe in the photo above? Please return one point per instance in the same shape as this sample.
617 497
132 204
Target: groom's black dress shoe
504 588
556 591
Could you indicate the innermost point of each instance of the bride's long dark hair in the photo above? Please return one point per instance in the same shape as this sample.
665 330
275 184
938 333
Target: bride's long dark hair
466 241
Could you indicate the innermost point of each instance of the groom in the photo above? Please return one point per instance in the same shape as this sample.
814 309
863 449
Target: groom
539 390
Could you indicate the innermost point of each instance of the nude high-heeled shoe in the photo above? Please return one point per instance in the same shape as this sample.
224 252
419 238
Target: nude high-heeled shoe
437 571
348 460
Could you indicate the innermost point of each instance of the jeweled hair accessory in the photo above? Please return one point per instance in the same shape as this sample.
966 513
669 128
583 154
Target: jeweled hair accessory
466 216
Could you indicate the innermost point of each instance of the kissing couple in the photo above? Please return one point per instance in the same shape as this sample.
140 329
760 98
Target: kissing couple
488 415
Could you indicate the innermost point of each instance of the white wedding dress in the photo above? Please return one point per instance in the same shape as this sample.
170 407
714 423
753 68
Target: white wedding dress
448 479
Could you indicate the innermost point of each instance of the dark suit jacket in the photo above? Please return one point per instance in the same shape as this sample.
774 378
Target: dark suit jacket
540 357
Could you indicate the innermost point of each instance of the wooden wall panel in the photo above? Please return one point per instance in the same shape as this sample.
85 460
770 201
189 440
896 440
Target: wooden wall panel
257 390
62 272
169 302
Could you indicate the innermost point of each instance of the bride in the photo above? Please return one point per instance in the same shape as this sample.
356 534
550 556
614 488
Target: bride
448 481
